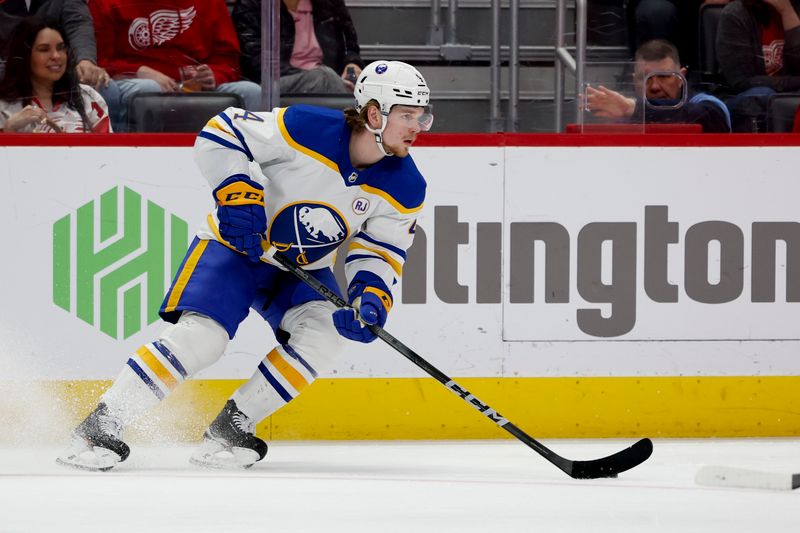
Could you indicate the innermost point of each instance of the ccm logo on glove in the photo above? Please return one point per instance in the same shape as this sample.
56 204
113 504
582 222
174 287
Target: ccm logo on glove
242 220
239 192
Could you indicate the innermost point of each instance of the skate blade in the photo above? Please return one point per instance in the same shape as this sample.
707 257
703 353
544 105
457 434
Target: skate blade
212 454
91 458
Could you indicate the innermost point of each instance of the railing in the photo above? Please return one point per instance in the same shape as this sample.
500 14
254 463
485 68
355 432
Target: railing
435 28
270 54
444 44
495 115
452 50
564 60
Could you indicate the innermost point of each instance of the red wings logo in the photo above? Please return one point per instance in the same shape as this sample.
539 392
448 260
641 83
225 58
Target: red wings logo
773 57
161 26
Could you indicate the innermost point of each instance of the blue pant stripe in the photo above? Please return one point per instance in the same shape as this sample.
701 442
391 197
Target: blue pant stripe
274 382
149 382
169 356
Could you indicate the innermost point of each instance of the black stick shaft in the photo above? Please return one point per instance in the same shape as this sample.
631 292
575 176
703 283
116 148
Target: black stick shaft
605 467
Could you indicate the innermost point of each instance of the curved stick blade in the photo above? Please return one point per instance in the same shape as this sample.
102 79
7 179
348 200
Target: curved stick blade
613 464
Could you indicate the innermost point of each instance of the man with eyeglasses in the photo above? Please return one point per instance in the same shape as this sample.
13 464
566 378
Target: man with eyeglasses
301 180
662 95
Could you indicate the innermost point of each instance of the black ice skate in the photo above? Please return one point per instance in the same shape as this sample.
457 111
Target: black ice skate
96 443
230 442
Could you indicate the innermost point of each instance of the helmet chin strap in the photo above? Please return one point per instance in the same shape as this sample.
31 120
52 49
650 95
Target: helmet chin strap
378 133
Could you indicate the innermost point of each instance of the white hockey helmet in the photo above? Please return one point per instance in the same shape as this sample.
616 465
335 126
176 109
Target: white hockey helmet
391 83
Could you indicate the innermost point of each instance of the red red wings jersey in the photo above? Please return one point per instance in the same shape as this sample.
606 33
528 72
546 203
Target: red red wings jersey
165 35
772 42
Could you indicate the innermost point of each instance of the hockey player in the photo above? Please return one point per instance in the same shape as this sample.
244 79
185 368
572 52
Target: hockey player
302 180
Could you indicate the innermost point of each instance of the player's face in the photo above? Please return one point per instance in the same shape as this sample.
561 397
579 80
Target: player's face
402 127
661 85
48 57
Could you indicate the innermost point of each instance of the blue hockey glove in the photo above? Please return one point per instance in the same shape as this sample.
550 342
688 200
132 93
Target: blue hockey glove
373 307
240 210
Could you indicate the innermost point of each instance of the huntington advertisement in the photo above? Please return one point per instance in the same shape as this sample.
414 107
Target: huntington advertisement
528 261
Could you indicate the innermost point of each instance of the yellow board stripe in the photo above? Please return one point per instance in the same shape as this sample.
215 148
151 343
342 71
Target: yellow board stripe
297 380
385 195
421 408
186 273
157 368
300 148
397 267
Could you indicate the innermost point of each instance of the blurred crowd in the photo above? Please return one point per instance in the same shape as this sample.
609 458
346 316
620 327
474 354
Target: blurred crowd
76 66
755 46
73 66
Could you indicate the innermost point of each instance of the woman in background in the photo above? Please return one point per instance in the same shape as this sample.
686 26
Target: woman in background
319 45
40 93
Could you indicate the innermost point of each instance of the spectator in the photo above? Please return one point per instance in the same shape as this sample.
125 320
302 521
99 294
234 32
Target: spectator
656 80
670 20
74 18
758 49
40 90
170 45
319 45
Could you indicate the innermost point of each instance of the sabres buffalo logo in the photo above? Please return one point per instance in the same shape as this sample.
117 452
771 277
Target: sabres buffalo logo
307 231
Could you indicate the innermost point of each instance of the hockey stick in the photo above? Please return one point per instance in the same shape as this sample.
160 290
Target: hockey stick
598 468
728 476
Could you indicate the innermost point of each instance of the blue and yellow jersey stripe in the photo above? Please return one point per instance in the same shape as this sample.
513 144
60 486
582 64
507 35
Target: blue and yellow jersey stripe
382 254
392 200
299 146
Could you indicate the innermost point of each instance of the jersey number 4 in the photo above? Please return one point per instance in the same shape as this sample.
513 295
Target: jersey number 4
248 116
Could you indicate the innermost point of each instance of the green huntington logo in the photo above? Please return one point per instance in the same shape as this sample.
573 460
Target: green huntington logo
106 255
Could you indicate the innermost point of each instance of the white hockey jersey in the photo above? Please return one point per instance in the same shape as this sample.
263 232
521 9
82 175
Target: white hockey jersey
314 198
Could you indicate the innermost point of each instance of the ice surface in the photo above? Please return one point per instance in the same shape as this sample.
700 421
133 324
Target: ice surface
483 486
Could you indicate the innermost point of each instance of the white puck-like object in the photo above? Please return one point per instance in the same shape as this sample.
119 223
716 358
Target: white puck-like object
729 476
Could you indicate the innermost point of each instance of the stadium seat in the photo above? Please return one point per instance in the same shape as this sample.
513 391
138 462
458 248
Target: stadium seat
178 112
780 112
710 77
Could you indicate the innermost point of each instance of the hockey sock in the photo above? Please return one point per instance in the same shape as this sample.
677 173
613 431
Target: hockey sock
280 377
148 377
158 368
